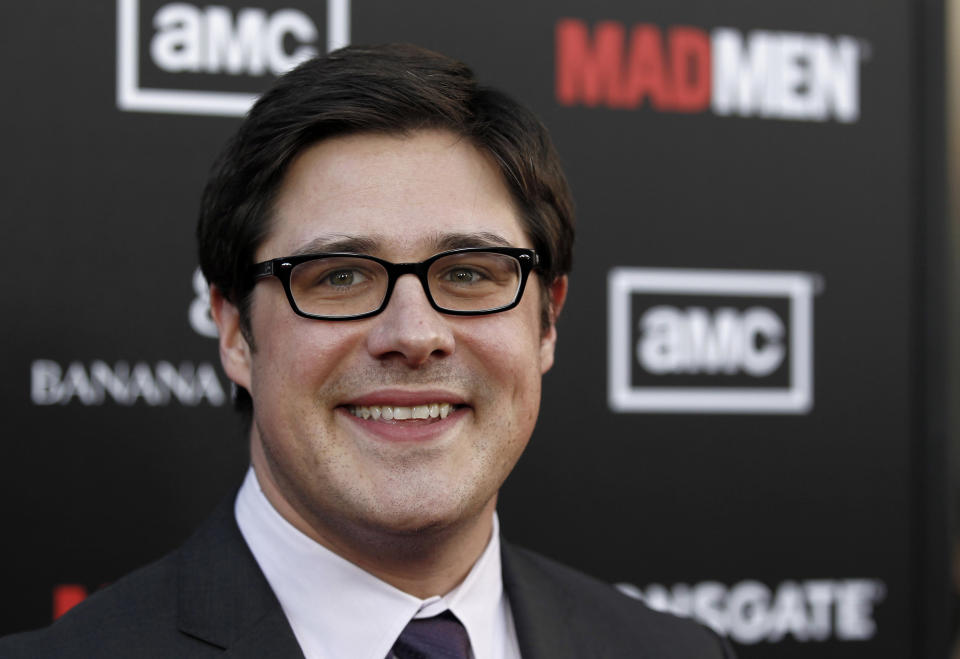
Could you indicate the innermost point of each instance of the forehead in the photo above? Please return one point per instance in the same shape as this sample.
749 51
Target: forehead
396 196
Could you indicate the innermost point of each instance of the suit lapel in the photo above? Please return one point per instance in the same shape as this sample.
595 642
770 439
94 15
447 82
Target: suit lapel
223 597
271 637
542 610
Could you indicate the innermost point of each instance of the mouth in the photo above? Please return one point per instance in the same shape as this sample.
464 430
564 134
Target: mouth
403 412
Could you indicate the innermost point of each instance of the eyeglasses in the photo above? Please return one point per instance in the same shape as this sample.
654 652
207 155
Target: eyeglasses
463 282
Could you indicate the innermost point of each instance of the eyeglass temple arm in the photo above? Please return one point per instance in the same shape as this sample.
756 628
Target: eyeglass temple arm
261 270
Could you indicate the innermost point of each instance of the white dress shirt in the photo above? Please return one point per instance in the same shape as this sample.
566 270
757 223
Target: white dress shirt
339 611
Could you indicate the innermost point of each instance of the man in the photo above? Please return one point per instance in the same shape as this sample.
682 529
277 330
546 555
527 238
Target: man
387 245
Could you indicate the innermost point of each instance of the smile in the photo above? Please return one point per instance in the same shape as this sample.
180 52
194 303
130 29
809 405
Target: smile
401 413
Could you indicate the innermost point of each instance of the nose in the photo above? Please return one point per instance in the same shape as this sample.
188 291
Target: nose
409 329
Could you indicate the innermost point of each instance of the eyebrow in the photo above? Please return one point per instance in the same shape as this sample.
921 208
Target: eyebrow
479 239
373 244
338 243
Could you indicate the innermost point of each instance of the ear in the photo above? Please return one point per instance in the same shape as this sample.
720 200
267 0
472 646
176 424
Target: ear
234 350
557 292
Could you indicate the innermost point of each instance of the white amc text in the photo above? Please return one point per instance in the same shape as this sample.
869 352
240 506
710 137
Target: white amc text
210 41
695 340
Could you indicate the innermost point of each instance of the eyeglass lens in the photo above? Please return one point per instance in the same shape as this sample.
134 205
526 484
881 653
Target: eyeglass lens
349 286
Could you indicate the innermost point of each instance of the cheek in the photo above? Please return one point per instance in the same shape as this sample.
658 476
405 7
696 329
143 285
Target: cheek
515 333
506 349
502 344
297 355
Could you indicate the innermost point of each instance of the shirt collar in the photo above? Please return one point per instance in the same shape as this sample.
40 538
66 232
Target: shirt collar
332 604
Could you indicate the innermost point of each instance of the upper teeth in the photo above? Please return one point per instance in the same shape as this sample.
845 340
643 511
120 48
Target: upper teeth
399 412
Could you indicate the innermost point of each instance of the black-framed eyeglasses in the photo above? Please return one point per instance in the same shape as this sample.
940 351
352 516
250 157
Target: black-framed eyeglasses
463 282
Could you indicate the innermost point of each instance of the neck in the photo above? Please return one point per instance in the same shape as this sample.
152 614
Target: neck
423 562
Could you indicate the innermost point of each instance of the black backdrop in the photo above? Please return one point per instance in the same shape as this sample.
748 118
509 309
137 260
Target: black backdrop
746 417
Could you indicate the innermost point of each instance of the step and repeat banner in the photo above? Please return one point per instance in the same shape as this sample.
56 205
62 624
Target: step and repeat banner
731 430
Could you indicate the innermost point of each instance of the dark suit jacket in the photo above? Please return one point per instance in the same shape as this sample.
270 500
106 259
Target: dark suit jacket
210 599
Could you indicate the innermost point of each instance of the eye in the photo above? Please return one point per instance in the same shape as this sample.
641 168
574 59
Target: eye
344 278
463 275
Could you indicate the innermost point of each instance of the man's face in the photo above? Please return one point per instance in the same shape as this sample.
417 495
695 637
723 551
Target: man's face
402 199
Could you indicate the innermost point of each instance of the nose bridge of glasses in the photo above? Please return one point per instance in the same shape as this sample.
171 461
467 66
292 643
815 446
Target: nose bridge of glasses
419 270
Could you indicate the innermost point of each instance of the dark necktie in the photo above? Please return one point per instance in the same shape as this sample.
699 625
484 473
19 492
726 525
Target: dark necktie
439 637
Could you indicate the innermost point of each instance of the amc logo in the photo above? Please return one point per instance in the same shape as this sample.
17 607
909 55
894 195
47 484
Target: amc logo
710 341
177 57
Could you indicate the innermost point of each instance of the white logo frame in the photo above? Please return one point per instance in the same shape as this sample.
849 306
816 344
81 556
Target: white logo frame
133 98
797 287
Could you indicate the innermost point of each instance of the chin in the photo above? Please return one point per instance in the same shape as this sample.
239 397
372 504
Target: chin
426 512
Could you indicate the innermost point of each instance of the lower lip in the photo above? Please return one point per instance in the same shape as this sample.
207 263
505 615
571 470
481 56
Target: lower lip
409 430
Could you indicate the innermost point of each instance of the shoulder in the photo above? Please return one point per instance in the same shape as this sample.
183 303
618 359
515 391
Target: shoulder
130 618
142 614
615 624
